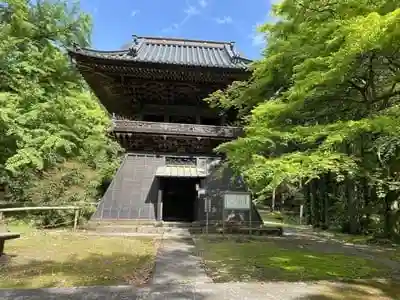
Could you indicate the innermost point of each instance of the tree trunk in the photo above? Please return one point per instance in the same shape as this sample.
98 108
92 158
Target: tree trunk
365 192
366 201
351 200
307 198
315 216
325 195
351 206
389 199
273 200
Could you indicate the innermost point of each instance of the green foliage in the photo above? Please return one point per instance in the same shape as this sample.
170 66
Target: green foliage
72 183
324 102
48 119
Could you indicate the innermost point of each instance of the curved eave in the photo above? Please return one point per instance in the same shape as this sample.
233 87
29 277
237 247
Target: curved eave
102 57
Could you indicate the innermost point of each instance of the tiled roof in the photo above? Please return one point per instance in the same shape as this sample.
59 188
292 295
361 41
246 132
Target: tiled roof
180 171
174 51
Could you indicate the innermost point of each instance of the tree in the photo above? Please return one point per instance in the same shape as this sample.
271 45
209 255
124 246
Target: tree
48 117
324 110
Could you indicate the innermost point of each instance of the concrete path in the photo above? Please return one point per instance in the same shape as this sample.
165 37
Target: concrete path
176 262
205 291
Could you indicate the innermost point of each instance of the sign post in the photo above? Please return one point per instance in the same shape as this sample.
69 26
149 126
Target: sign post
301 214
250 218
207 208
238 201
206 200
207 204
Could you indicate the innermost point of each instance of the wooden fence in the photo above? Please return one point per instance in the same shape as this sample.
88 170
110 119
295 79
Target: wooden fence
76 210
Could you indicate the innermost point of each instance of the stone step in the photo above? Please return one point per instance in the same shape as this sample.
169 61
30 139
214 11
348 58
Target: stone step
103 223
129 229
177 224
135 227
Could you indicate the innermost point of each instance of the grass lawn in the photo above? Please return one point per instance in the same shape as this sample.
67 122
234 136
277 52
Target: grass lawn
286 221
62 259
269 260
290 221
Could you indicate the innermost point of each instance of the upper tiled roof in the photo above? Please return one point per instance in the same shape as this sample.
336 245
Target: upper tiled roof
174 51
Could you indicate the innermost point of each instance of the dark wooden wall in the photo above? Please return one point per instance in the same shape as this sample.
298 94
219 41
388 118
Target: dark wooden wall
133 192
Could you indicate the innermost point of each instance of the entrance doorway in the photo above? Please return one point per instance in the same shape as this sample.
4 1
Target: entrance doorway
179 199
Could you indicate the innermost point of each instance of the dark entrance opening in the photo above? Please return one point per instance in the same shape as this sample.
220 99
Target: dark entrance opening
179 198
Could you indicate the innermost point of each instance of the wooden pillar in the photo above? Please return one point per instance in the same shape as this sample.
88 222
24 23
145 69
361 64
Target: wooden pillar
159 204
223 120
2 247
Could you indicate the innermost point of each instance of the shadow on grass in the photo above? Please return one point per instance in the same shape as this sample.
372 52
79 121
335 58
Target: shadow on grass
95 269
109 292
367 290
230 259
96 277
169 289
317 244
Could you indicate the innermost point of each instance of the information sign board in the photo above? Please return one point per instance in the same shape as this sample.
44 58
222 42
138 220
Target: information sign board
207 205
238 201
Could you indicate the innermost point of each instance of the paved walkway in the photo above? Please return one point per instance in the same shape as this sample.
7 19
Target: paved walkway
177 264
178 274
205 291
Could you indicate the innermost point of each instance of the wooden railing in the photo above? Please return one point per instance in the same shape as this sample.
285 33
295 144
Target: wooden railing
176 129
76 210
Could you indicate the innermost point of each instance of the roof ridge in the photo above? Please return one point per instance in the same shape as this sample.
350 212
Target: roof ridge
172 39
231 52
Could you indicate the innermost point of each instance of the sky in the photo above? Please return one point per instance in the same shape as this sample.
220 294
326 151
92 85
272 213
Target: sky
114 22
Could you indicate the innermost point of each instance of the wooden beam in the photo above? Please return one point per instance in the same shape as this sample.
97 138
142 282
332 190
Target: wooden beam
178 110
39 208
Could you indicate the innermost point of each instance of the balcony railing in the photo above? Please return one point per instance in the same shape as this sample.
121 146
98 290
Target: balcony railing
129 126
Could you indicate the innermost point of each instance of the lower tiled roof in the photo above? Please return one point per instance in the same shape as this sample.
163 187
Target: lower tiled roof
180 171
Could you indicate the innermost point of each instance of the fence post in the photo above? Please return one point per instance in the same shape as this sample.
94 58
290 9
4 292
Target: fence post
301 214
76 218
250 219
